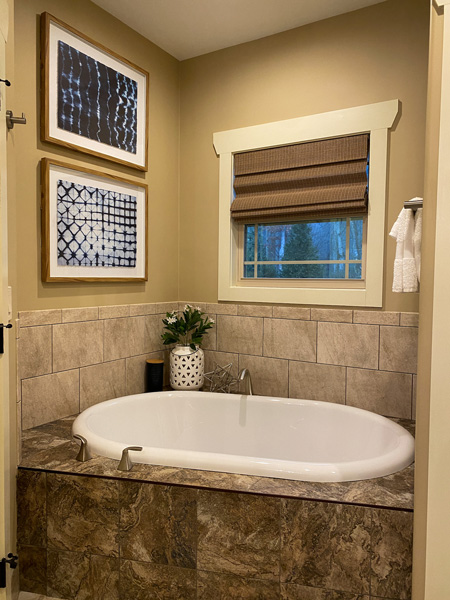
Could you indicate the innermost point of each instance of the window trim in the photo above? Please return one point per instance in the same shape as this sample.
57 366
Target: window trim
374 119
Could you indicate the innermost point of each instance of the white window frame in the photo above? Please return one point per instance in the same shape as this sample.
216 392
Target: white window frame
375 119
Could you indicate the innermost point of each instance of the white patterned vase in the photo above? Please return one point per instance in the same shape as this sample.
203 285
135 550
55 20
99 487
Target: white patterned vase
187 367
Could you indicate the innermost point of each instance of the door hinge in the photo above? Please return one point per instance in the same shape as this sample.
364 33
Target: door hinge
2 327
12 562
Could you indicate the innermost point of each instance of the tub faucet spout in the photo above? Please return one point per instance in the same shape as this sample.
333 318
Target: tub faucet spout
244 376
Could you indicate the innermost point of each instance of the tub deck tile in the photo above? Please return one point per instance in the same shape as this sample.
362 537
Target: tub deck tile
142 581
78 576
239 535
33 569
49 448
326 545
220 586
158 524
83 514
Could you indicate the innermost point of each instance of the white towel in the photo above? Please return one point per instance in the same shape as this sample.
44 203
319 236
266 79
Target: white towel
418 240
405 274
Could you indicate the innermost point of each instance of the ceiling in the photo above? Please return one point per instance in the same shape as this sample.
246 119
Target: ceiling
188 28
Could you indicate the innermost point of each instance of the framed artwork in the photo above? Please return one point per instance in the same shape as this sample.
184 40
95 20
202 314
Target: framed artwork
94 226
92 99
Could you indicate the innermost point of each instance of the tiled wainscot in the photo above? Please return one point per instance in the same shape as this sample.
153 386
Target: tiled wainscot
70 359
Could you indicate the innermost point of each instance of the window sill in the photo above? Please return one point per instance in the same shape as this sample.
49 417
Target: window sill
321 296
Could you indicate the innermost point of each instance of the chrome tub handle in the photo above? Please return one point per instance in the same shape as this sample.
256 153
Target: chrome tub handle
125 463
84 453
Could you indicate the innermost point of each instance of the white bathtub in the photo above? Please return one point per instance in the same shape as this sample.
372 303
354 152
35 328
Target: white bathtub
253 435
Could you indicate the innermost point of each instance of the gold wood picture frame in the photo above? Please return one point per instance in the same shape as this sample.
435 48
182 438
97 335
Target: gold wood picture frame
92 99
94 226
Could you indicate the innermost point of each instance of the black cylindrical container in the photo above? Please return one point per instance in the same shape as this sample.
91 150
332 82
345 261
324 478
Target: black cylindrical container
154 375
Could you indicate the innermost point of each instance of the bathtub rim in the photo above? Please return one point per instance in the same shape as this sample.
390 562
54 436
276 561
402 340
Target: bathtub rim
280 469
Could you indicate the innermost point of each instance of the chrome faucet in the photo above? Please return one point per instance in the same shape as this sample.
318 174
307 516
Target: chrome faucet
244 376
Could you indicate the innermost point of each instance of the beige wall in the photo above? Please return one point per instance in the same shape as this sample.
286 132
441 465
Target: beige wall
367 56
162 176
375 54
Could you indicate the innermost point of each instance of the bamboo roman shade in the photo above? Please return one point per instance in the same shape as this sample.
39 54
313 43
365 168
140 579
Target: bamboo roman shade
313 178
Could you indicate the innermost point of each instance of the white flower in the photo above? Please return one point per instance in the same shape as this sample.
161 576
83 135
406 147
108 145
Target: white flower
211 321
198 308
187 306
171 320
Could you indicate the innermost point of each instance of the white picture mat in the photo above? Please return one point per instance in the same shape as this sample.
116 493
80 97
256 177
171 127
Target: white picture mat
57 33
57 173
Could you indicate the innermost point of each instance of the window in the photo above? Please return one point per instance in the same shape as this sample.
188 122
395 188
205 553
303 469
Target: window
283 240
327 249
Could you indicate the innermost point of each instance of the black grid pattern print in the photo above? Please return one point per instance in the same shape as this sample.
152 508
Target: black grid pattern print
96 227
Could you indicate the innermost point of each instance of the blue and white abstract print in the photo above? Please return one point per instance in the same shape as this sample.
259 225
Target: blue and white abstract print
96 227
95 101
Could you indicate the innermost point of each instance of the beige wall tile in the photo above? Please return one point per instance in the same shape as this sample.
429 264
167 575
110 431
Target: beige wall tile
255 310
153 330
414 397
286 338
77 345
291 312
376 317
30 318
348 345
117 338
34 351
331 314
381 392
398 349
311 381
136 336
209 341
269 375
102 382
221 309
73 315
165 307
239 334
409 319
50 397
223 359
135 373
137 310
114 312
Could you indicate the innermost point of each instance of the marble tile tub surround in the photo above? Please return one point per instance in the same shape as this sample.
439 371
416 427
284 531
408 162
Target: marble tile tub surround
69 359
86 537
